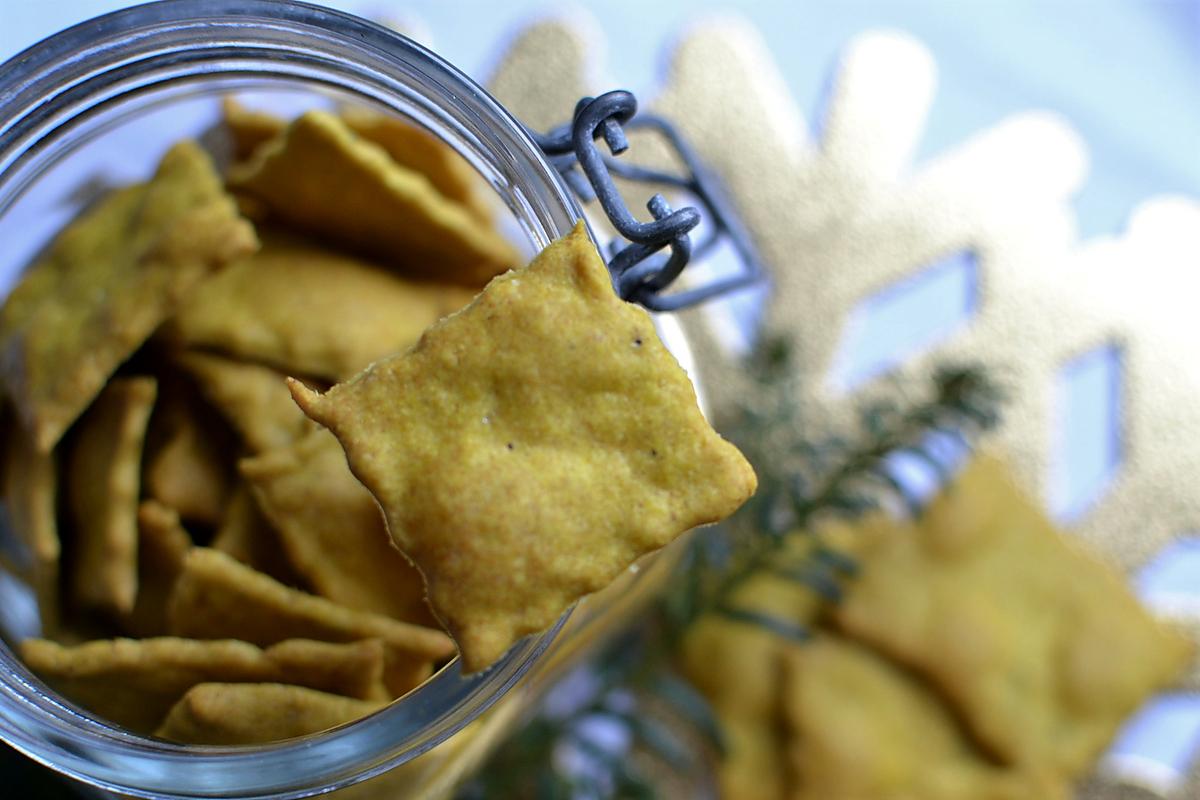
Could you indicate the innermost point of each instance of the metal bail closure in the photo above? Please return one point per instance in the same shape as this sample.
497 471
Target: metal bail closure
640 271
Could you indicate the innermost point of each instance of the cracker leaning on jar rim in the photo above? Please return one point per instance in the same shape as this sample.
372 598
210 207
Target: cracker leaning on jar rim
221 526
532 446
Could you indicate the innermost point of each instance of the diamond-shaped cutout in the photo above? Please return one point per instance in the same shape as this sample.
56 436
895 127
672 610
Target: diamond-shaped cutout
917 475
906 318
1157 747
1088 447
1170 583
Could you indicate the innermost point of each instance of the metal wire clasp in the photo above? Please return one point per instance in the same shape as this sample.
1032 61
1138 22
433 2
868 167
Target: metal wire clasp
640 272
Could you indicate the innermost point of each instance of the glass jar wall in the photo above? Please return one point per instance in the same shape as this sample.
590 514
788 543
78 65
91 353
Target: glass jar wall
96 106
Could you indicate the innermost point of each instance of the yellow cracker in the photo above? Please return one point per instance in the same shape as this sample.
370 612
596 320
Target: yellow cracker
107 282
420 151
736 665
247 535
530 447
352 669
754 765
860 728
310 311
248 128
134 682
739 668
252 398
323 179
217 598
30 493
409 146
162 546
189 456
333 530
103 470
252 713
1042 649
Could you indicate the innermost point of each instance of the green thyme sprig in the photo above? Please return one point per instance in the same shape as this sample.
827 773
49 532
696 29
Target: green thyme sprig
803 478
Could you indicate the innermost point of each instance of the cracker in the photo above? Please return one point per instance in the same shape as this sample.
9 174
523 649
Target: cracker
422 152
252 398
103 481
352 669
310 311
217 598
248 536
105 284
858 728
754 765
322 179
739 669
162 546
332 529
134 682
1042 649
248 128
189 459
408 145
252 713
532 446
29 479
736 665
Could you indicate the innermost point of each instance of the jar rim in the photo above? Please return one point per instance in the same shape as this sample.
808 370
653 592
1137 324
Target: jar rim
47 88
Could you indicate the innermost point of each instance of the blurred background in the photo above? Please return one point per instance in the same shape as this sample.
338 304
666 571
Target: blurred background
1125 72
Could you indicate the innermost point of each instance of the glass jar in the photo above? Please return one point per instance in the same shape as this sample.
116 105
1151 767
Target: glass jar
98 104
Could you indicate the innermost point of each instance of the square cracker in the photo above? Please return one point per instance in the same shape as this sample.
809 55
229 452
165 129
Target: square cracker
858 727
162 546
310 311
532 446
253 713
323 179
408 145
739 667
189 455
248 128
1042 649
103 482
134 682
422 152
105 284
333 530
29 490
252 398
352 669
219 598
248 536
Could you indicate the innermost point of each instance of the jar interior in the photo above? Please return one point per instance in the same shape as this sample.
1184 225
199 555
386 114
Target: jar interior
96 107
108 128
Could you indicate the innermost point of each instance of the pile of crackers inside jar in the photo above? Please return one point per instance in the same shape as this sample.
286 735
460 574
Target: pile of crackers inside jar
973 651
214 566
